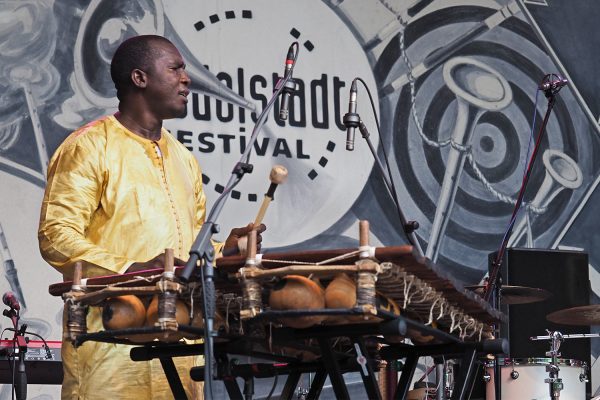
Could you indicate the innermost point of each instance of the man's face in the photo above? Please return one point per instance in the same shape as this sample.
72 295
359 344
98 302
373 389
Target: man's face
167 87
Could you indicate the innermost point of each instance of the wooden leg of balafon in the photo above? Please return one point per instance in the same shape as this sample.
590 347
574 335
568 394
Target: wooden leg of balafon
251 288
76 312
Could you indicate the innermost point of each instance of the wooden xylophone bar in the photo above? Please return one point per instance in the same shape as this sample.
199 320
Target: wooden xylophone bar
399 270
404 256
401 256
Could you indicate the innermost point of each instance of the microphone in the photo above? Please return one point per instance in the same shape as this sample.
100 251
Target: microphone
285 98
10 300
553 84
351 119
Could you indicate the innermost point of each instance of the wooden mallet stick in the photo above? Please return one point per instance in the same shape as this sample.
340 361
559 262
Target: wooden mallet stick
278 175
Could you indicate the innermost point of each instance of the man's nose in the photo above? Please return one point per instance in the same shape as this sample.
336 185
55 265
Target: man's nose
185 78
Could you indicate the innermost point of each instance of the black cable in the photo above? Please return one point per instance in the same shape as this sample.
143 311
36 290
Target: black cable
46 347
11 357
13 366
274 386
389 183
13 369
7 353
387 162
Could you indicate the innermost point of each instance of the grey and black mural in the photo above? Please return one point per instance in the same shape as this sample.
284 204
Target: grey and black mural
456 92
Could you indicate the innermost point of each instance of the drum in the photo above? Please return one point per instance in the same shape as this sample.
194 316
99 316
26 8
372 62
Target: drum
528 380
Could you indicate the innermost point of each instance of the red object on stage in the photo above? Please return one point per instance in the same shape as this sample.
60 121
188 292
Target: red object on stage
39 368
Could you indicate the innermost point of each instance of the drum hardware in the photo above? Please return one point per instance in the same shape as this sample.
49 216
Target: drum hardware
486 376
301 393
442 379
584 376
554 381
451 379
461 75
532 374
556 338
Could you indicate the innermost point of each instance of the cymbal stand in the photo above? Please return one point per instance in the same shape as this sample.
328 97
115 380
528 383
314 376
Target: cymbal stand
495 281
554 382
495 273
583 377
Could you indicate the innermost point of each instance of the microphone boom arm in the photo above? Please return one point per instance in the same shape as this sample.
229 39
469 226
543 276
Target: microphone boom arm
494 285
202 248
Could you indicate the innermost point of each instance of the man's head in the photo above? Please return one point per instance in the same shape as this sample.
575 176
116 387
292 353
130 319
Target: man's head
151 67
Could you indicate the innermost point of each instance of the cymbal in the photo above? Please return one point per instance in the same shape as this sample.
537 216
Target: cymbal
516 294
582 315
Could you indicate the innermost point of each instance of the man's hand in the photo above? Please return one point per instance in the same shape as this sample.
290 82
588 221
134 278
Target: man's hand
156 262
231 244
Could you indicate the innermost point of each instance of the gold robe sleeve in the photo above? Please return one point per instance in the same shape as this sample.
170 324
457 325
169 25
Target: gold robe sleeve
66 213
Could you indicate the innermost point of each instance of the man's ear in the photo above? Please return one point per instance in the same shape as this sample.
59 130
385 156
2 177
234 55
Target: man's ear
139 78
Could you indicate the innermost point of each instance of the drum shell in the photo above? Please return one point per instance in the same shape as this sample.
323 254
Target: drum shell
532 373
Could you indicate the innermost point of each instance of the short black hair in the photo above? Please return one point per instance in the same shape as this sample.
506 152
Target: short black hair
134 53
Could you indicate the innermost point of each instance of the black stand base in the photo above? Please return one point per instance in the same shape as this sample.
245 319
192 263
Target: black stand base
361 354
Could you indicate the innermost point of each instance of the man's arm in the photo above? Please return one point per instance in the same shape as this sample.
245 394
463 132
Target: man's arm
75 182
231 245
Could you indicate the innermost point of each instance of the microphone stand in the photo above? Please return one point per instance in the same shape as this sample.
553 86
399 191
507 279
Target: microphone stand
353 120
409 227
202 249
20 383
494 285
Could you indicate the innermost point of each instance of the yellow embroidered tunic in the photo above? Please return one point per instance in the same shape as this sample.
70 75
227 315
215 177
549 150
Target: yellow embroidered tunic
114 198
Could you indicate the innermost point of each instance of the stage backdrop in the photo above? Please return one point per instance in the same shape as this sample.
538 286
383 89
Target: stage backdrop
453 82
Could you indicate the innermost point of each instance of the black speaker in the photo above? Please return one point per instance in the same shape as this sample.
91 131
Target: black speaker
565 275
